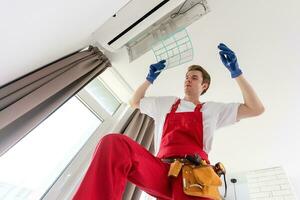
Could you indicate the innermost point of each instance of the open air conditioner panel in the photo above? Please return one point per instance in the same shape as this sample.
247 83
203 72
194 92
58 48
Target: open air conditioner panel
138 29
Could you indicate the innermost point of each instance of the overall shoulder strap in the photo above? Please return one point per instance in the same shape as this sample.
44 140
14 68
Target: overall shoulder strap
175 106
198 107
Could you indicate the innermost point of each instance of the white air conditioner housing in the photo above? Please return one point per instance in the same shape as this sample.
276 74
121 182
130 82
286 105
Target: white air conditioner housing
140 23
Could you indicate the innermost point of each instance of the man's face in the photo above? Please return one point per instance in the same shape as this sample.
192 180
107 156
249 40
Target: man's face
193 83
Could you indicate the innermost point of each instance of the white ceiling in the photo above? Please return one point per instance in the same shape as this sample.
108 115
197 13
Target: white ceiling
264 34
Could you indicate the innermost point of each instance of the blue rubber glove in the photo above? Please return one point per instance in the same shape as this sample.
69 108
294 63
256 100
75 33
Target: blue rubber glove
155 70
229 60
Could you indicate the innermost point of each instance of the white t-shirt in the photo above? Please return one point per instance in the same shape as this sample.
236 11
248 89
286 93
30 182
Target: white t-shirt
215 115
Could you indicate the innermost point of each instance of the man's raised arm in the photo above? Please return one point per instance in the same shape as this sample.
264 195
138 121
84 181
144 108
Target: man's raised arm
154 71
252 105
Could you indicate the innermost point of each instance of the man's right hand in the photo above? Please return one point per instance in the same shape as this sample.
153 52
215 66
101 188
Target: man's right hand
155 70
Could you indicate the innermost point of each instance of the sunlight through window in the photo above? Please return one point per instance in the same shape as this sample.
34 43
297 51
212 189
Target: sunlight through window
29 168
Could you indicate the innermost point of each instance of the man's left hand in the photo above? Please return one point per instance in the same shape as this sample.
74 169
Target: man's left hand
229 60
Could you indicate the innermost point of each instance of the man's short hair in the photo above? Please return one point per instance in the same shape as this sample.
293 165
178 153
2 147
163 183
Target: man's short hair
205 75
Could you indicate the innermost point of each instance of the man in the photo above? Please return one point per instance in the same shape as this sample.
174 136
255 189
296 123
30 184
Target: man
182 127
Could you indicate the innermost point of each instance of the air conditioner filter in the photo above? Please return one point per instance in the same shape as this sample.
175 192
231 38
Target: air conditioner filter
176 49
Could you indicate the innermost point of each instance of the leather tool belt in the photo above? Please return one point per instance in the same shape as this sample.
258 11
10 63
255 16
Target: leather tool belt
199 178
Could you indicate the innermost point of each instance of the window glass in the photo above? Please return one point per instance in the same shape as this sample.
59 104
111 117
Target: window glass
103 96
29 168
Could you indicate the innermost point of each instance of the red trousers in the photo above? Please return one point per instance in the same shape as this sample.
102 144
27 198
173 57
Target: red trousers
118 159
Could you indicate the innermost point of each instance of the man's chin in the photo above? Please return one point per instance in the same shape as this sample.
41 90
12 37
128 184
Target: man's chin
187 91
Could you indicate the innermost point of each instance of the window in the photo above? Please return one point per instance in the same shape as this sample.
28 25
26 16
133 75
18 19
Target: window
29 168
103 96
117 84
145 196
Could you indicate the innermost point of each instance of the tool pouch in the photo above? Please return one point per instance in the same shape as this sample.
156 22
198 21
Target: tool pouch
175 168
201 181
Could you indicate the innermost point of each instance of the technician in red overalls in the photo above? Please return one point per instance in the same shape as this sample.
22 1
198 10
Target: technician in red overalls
183 127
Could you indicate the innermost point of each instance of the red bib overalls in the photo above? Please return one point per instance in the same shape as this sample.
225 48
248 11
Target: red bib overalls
118 159
182 134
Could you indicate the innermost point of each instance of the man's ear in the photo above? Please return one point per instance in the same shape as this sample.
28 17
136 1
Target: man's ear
205 86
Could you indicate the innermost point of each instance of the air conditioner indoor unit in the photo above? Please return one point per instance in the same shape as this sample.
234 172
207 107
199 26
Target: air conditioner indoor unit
141 23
